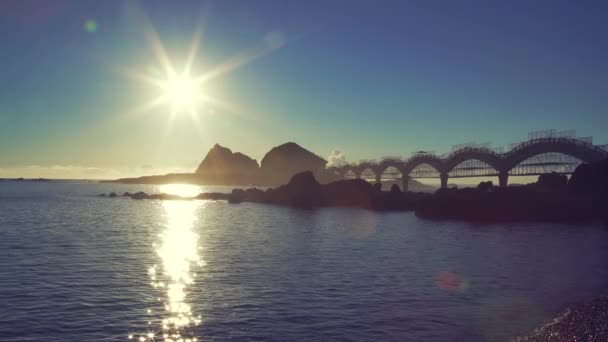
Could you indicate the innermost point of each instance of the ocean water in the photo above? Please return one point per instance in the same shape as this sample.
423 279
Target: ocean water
77 267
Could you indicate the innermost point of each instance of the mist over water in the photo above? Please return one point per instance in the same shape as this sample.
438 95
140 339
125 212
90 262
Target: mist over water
79 267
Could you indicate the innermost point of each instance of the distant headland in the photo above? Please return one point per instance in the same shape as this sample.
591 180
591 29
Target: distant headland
221 166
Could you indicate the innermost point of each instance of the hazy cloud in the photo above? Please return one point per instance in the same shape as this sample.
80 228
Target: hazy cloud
336 158
275 39
86 172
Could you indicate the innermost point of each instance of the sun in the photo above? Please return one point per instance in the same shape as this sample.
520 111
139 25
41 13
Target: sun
185 88
182 92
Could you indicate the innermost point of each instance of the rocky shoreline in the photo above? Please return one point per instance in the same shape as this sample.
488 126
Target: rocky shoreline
586 321
303 191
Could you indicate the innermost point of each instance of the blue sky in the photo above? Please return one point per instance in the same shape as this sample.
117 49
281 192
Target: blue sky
369 78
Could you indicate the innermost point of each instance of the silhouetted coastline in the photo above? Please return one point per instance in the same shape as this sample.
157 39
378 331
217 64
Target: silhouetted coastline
303 191
26 179
552 199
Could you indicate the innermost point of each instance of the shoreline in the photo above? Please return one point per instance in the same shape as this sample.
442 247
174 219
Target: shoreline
485 204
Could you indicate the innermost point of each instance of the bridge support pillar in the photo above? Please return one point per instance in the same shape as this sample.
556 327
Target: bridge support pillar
503 179
444 180
404 183
378 178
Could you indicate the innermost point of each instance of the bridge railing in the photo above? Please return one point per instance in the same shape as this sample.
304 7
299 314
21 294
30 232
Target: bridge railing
391 159
423 153
583 142
487 150
586 142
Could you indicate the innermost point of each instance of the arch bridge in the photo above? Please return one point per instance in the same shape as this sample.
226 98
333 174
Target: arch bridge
480 161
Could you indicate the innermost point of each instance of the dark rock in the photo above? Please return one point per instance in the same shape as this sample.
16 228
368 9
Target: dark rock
112 195
140 195
507 204
126 194
395 188
213 196
303 190
485 186
590 179
552 181
349 193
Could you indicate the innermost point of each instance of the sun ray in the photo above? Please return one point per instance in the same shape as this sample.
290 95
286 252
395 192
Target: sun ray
197 37
272 42
139 76
232 64
148 106
154 41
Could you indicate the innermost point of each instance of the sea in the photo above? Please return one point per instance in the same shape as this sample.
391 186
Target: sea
75 266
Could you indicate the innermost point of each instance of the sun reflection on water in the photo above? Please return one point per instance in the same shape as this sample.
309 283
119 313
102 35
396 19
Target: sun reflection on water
178 252
183 190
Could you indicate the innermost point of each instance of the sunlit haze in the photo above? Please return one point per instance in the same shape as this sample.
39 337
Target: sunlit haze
275 170
109 89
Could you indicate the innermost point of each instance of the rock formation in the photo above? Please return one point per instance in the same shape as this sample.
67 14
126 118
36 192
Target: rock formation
284 161
222 166
590 179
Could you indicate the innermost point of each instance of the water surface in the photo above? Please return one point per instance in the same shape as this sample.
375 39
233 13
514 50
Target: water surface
74 266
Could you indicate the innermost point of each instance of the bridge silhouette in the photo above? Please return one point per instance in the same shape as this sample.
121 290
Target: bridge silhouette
548 150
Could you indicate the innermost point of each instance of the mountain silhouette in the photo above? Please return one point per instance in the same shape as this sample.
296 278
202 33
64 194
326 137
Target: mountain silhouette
286 160
221 166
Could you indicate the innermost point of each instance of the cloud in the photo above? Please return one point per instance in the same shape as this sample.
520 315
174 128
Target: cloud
86 172
336 158
275 39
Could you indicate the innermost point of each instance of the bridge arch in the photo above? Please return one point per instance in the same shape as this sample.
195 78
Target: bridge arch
368 173
350 173
503 163
583 151
546 163
488 157
367 167
421 159
390 162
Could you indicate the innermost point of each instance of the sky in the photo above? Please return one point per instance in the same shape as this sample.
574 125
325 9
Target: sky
365 78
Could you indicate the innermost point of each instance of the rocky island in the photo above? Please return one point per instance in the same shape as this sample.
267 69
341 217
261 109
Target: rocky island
221 166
